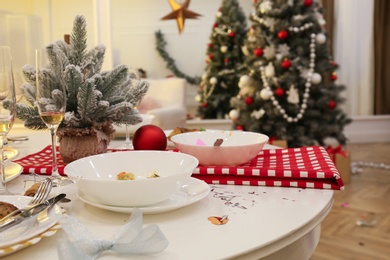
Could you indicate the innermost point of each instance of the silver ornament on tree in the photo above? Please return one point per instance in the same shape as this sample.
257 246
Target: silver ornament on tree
213 80
320 38
234 114
244 50
270 70
316 78
258 113
244 80
293 96
266 93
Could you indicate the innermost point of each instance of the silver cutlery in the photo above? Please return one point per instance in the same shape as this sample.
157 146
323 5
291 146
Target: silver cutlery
39 197
27 214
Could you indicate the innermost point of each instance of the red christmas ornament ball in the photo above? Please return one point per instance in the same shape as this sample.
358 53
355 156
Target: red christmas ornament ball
215 25
249 101
282 34
333 76
226 60
211 56
232 34
210 45
286 63
308 2
205 104
258 52
332 104
239 127
279 92
149 137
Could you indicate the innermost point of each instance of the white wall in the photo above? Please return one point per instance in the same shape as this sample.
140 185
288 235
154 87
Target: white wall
133 24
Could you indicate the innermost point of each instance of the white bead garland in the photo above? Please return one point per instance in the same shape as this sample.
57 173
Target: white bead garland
275 102
301 28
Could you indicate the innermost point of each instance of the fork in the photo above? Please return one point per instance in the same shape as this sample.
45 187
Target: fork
42 192
39 197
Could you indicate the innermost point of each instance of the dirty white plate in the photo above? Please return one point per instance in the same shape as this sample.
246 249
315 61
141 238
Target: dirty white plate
10 153
28 232
12 170
191 191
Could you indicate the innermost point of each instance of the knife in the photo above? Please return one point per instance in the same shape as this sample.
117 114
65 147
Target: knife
31 212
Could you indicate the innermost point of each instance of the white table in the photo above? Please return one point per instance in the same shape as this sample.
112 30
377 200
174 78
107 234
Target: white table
277 223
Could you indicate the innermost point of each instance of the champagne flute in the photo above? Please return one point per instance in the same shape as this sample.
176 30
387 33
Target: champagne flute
133 75
7 107
51 99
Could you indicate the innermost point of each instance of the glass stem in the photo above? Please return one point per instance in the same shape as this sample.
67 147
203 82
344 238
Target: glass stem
127 141
3 185
54 173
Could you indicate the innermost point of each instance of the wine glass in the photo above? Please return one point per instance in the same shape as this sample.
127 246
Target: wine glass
134 75
7 107
51 99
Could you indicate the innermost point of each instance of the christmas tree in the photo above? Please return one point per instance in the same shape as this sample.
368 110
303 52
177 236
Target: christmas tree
290 90
95 99
224 62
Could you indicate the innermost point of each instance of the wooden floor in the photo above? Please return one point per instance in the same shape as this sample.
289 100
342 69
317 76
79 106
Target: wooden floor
367 196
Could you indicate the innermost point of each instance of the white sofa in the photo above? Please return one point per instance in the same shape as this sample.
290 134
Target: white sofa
165 100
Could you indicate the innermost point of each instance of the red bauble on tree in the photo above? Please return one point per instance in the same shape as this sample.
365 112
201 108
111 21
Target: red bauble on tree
258 52
282 34
240 127
332 104
215 25
226 60
149 137
211 56
279 92
286 64
232 34
308 2
210 45
333 76
249 101
205 104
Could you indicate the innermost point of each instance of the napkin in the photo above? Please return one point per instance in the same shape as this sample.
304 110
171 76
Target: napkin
304 167
131 239
41 163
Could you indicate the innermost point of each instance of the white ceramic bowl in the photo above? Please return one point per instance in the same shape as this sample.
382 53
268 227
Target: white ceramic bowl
238 147
96 176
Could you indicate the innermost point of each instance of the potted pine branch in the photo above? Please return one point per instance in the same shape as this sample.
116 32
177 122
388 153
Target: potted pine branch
96 100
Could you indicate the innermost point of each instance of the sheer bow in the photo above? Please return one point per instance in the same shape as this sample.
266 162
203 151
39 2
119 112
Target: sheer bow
131 239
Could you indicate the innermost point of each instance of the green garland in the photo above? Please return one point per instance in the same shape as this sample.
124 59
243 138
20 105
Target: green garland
160 46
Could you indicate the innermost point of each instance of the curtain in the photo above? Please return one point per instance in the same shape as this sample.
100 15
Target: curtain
354 52
382 56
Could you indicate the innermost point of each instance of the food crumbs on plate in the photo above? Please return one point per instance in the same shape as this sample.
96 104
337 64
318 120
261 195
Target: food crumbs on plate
125 176
153 175
218 220
218 142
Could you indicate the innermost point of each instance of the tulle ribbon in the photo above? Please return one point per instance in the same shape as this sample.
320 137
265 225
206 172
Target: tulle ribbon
333 151
131 239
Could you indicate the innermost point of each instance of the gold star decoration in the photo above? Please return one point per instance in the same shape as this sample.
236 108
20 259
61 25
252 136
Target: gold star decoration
180 13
